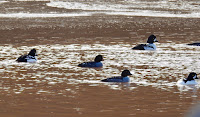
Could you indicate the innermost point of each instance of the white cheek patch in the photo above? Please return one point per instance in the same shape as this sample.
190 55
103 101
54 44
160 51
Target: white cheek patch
195 77
154 40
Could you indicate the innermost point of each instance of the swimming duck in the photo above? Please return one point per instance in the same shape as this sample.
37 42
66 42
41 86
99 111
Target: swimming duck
123 78
194 44
149 46
31 57
95 63
190 80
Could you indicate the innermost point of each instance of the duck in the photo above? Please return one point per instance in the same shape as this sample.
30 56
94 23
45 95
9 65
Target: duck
123 78
30 57
150 46
95 63
194 44
190 80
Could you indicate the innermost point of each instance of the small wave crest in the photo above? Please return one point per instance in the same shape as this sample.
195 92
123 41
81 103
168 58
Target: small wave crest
134 8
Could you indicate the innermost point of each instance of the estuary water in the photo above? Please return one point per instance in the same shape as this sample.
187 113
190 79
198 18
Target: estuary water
69 8
68 32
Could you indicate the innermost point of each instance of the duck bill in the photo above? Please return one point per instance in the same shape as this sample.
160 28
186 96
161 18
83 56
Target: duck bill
196 78
155 40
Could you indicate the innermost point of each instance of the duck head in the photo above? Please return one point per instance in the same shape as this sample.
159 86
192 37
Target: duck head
152 39
126 73
191 76
98 58
32 52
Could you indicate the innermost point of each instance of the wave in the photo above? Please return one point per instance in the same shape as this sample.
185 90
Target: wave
72 8
136 13
134 8
42 15
3 2
127 5
58 63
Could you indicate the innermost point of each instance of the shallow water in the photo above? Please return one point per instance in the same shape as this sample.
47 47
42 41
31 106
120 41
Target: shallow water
70 8
60 87
63 38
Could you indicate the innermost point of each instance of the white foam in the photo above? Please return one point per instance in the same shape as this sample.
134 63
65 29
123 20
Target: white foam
136 13
88 6
126 6
159 69
42 15
1 2
156 14
31 0
80 14
133 8
161 8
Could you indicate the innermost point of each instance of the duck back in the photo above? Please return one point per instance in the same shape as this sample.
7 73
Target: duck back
194 44
116 79
22 58
139 47
91 64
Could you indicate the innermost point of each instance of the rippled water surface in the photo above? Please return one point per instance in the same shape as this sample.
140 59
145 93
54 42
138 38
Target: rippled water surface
68 32
67 8
56 74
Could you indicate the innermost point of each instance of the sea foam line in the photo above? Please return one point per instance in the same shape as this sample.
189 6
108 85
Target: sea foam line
42 15
132 8
136 13
1 2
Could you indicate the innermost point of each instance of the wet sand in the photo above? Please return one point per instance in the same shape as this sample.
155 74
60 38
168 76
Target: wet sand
56 87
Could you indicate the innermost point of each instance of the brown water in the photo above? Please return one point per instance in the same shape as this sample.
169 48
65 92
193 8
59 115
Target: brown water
56 87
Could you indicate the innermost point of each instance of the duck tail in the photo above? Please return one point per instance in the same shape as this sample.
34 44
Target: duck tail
82 65
104 80
184 80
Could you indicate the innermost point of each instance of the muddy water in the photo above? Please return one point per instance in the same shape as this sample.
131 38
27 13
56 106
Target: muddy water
56 87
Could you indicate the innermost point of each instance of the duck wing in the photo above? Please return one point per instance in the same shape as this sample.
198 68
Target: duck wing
87 64
113 79
139 47
22 58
